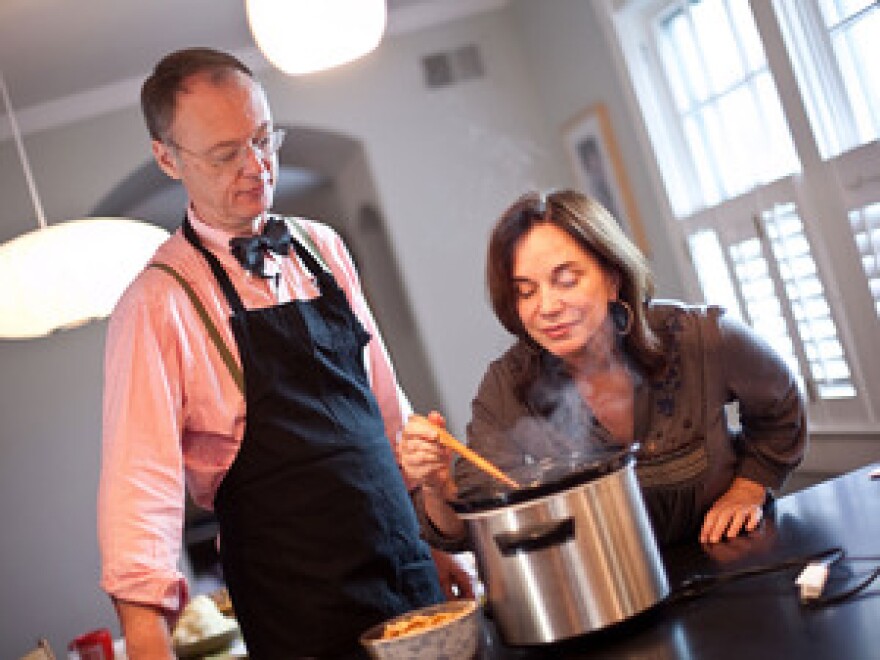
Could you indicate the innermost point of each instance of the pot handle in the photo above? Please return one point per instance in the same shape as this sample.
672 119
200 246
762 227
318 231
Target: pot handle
536 537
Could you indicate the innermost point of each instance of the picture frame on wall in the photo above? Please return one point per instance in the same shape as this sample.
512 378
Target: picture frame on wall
599 172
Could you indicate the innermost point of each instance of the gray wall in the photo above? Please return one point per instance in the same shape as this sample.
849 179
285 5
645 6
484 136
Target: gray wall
49 446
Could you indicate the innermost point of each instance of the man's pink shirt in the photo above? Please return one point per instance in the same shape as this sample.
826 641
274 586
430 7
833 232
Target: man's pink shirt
174 417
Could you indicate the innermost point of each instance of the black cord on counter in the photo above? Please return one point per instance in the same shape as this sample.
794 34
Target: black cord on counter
700 584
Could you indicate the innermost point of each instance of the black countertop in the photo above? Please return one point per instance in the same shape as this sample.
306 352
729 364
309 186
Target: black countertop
760 616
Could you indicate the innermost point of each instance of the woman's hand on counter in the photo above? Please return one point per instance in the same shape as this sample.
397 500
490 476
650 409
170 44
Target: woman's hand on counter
738 509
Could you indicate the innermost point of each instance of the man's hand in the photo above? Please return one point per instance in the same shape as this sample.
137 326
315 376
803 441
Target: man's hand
738 509
146 631
454 580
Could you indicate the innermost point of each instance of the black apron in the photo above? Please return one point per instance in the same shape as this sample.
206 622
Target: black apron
318 537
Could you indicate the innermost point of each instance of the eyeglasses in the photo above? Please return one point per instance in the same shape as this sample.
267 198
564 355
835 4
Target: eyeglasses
231 157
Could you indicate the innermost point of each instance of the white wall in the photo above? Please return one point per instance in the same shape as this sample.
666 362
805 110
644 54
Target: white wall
49 461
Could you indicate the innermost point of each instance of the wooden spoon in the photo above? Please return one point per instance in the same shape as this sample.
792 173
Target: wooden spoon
446 439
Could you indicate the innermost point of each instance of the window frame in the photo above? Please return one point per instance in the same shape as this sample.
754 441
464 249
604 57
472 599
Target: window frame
824 192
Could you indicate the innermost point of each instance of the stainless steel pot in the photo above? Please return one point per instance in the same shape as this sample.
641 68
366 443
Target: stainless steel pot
569 555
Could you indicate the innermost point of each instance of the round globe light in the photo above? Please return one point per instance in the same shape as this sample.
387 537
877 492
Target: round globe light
66 274
304 36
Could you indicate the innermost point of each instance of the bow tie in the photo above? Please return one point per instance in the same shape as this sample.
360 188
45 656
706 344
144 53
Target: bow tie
251 251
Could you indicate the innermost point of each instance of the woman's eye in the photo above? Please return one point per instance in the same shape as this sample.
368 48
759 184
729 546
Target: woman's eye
524 290
567 278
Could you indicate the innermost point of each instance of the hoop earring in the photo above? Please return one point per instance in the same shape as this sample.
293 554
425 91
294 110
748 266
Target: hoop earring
621 316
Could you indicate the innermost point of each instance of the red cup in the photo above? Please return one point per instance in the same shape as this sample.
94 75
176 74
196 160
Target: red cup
95 645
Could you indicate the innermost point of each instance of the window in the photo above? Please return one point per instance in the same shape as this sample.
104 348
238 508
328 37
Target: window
834 44
727 108
778 198
865 224
828 370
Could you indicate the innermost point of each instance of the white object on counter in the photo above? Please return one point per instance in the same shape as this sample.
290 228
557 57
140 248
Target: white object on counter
200 619
812 581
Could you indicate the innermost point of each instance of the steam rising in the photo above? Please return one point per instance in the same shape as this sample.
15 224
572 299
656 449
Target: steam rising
562 435
566 428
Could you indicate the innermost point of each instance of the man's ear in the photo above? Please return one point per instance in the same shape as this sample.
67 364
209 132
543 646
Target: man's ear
165 159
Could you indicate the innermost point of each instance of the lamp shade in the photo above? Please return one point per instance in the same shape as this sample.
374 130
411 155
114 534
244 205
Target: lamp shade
66 274
304 36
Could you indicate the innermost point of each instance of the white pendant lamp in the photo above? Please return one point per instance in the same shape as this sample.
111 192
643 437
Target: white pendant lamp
304 36
64 275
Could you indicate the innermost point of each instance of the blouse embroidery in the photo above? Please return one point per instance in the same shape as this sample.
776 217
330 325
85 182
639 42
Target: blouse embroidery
670 382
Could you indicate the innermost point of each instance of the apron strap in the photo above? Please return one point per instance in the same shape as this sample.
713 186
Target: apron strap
228 359
222 278
305 239
305 249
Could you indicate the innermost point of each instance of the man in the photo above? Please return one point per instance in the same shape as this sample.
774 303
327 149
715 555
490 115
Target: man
259 381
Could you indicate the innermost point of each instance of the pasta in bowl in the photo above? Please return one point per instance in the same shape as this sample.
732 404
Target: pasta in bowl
448 630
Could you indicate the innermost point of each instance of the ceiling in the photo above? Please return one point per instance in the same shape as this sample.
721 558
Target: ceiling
69 60
53 50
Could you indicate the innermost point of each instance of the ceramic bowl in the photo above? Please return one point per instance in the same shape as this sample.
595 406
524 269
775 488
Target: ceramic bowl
453 639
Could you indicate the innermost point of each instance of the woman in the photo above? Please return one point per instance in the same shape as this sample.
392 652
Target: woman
597 362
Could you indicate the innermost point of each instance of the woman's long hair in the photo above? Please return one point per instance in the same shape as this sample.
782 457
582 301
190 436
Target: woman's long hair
597 232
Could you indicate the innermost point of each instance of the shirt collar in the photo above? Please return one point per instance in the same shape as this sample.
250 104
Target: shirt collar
214 238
